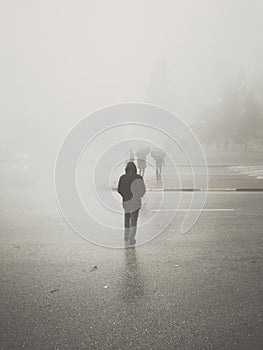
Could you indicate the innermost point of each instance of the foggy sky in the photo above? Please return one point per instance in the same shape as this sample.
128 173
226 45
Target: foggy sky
62 59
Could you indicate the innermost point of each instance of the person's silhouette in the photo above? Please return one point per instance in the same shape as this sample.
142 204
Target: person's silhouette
159 161
141 165
132 188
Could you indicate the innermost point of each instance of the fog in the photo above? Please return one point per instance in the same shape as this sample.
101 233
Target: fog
61 60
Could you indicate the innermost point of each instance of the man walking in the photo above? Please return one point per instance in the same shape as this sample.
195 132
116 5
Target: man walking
159 161
141 165
132 188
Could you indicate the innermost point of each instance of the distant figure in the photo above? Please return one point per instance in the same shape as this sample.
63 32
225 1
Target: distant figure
158 155
141 165
131 157
131 187
159 162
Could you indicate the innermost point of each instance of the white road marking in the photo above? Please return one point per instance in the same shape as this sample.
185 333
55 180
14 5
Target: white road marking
250 170
215 210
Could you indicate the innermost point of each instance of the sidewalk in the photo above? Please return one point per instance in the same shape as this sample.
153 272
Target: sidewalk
220 178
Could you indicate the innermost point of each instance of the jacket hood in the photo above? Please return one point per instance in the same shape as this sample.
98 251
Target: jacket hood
131 168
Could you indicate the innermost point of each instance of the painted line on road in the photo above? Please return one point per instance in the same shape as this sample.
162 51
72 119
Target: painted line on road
192 190
184 210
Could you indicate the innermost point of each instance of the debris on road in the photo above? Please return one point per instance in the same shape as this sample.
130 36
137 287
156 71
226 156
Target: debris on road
53 291
95 267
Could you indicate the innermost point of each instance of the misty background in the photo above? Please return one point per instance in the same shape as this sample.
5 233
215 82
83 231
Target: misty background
61 60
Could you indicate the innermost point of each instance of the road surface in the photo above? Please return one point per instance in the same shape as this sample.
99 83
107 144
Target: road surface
201 290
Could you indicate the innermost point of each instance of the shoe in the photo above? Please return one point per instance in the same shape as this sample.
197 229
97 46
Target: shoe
133 241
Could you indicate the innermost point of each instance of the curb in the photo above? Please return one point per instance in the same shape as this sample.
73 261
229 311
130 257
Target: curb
206 190
201 189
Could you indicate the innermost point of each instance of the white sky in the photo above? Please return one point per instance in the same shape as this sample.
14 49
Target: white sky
61 59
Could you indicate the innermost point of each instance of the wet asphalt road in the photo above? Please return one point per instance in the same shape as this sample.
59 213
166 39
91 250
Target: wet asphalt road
202 290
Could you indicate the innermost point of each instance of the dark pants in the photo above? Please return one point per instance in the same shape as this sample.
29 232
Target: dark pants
130 224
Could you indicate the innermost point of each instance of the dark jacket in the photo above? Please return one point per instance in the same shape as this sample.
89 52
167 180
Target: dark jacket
132 188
